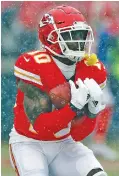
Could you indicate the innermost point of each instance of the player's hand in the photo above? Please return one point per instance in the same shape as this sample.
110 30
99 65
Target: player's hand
96 101
80 95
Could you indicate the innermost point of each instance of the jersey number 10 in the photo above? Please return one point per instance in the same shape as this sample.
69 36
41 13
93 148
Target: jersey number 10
40 57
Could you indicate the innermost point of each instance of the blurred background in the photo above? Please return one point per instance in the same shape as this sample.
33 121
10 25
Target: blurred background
19 20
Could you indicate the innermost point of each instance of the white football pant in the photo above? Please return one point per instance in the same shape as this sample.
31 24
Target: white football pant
48 158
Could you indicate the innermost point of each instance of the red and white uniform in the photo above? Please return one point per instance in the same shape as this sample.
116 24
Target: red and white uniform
47 148
39 69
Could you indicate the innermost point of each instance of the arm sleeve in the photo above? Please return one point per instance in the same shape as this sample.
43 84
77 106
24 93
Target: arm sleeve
54 121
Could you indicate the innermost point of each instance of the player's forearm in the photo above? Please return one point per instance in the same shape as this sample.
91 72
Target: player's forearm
56 120
82 128
36 106
35 101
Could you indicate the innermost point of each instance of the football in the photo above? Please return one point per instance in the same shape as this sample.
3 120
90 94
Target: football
60 95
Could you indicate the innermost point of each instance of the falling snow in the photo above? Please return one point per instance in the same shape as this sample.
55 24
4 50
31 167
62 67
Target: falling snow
19 21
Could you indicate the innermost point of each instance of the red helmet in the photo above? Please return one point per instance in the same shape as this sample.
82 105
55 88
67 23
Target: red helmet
64 32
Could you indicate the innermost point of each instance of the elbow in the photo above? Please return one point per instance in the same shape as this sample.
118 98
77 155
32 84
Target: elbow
81 132
46 125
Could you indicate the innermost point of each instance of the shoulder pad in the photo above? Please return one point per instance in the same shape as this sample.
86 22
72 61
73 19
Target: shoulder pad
92 70
27 66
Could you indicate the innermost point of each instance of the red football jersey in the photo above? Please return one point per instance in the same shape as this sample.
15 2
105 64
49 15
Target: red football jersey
39 69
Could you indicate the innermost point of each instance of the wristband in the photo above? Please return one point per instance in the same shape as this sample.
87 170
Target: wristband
88 113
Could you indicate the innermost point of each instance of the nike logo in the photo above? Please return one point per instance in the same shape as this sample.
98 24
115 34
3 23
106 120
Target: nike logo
27 60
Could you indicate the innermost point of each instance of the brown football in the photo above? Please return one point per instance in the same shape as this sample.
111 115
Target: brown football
60 95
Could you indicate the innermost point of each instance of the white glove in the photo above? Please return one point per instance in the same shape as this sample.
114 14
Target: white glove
96 102
79 96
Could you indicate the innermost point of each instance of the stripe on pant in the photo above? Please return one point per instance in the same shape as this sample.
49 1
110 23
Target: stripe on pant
13 160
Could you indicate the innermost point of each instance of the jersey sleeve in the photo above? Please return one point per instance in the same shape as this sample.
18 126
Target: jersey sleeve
27 69
96 72
39 69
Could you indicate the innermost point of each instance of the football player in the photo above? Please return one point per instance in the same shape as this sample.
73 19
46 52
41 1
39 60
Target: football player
59 95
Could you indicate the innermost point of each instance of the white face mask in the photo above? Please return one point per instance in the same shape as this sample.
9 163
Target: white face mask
74 41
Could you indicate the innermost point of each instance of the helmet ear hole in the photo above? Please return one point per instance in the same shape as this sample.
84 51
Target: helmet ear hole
45 39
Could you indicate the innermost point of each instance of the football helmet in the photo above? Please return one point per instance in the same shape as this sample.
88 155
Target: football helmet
64 32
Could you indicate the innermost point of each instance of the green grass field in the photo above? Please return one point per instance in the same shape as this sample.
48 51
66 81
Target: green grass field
112 168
